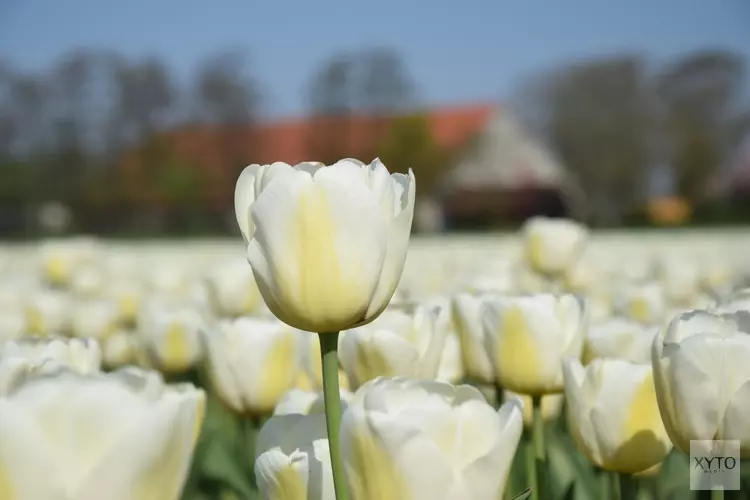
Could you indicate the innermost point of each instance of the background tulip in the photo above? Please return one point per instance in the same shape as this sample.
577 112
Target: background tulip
613 415
327 244
702 378
528 337
412 439
80 355
400 342
619 338
232 290
252 363
171 334
466 309
552 246
306 402
292 459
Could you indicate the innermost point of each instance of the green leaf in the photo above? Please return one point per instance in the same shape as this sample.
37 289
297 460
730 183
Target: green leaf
221 465
523 495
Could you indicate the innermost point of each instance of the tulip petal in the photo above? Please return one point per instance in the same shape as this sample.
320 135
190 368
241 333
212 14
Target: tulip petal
244 196
318 250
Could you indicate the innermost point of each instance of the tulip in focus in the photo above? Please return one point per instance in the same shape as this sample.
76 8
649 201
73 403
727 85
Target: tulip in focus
529 337
402 341
292 459
552 246
252 362
138 436
702 378
412 440
613 415
306 402
327 244
619 338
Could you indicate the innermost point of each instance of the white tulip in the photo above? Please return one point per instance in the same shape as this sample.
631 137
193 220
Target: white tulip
402 341
644 303
13 323
88 281
293 459
528 338
702 378
171 334
681 280
80 355
451 368
120 436
94 318
735 302
551 406
252 362
232 289
613 415
620 338
551 246
60 259
120 349
326 244
48 312
411 439
467 309
306 402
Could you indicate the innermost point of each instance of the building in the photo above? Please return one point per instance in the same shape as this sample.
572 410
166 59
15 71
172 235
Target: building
501 173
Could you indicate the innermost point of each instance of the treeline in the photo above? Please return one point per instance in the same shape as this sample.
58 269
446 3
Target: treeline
96 132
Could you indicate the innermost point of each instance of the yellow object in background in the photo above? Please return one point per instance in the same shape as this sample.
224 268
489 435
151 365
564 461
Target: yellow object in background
670 210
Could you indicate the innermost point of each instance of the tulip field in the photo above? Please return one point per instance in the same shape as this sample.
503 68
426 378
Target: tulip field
327 354
146 370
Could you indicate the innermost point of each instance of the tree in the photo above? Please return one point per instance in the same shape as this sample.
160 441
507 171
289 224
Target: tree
700 93
599 121
409 144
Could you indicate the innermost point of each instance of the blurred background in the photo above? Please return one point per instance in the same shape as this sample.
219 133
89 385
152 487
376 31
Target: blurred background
135 118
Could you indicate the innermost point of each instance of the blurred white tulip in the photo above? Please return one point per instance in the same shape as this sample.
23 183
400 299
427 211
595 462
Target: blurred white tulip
613 415
127 294
252 362
643 302
451 367
620 338
402 341
171 334
120 349
293 459
467 311
551 406
680 279
428 440
119 436
48 312
735 302
306 402
552 246
60 259
327 244
232 289
80 355
702 378
87 281
94 318
13 323
528 337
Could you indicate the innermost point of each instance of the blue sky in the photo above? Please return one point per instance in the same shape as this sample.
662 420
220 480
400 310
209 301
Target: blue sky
457 51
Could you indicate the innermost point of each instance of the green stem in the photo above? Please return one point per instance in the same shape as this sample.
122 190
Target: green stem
332 400
626 487
538 423
616 486
717 494
605 489
531 477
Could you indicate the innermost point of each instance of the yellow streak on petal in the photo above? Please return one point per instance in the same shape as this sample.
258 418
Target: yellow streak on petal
371 363
315 291
287 485
277 375
517 359
7 491
644 443
176 354
34 322
371 473
639 310
536 252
